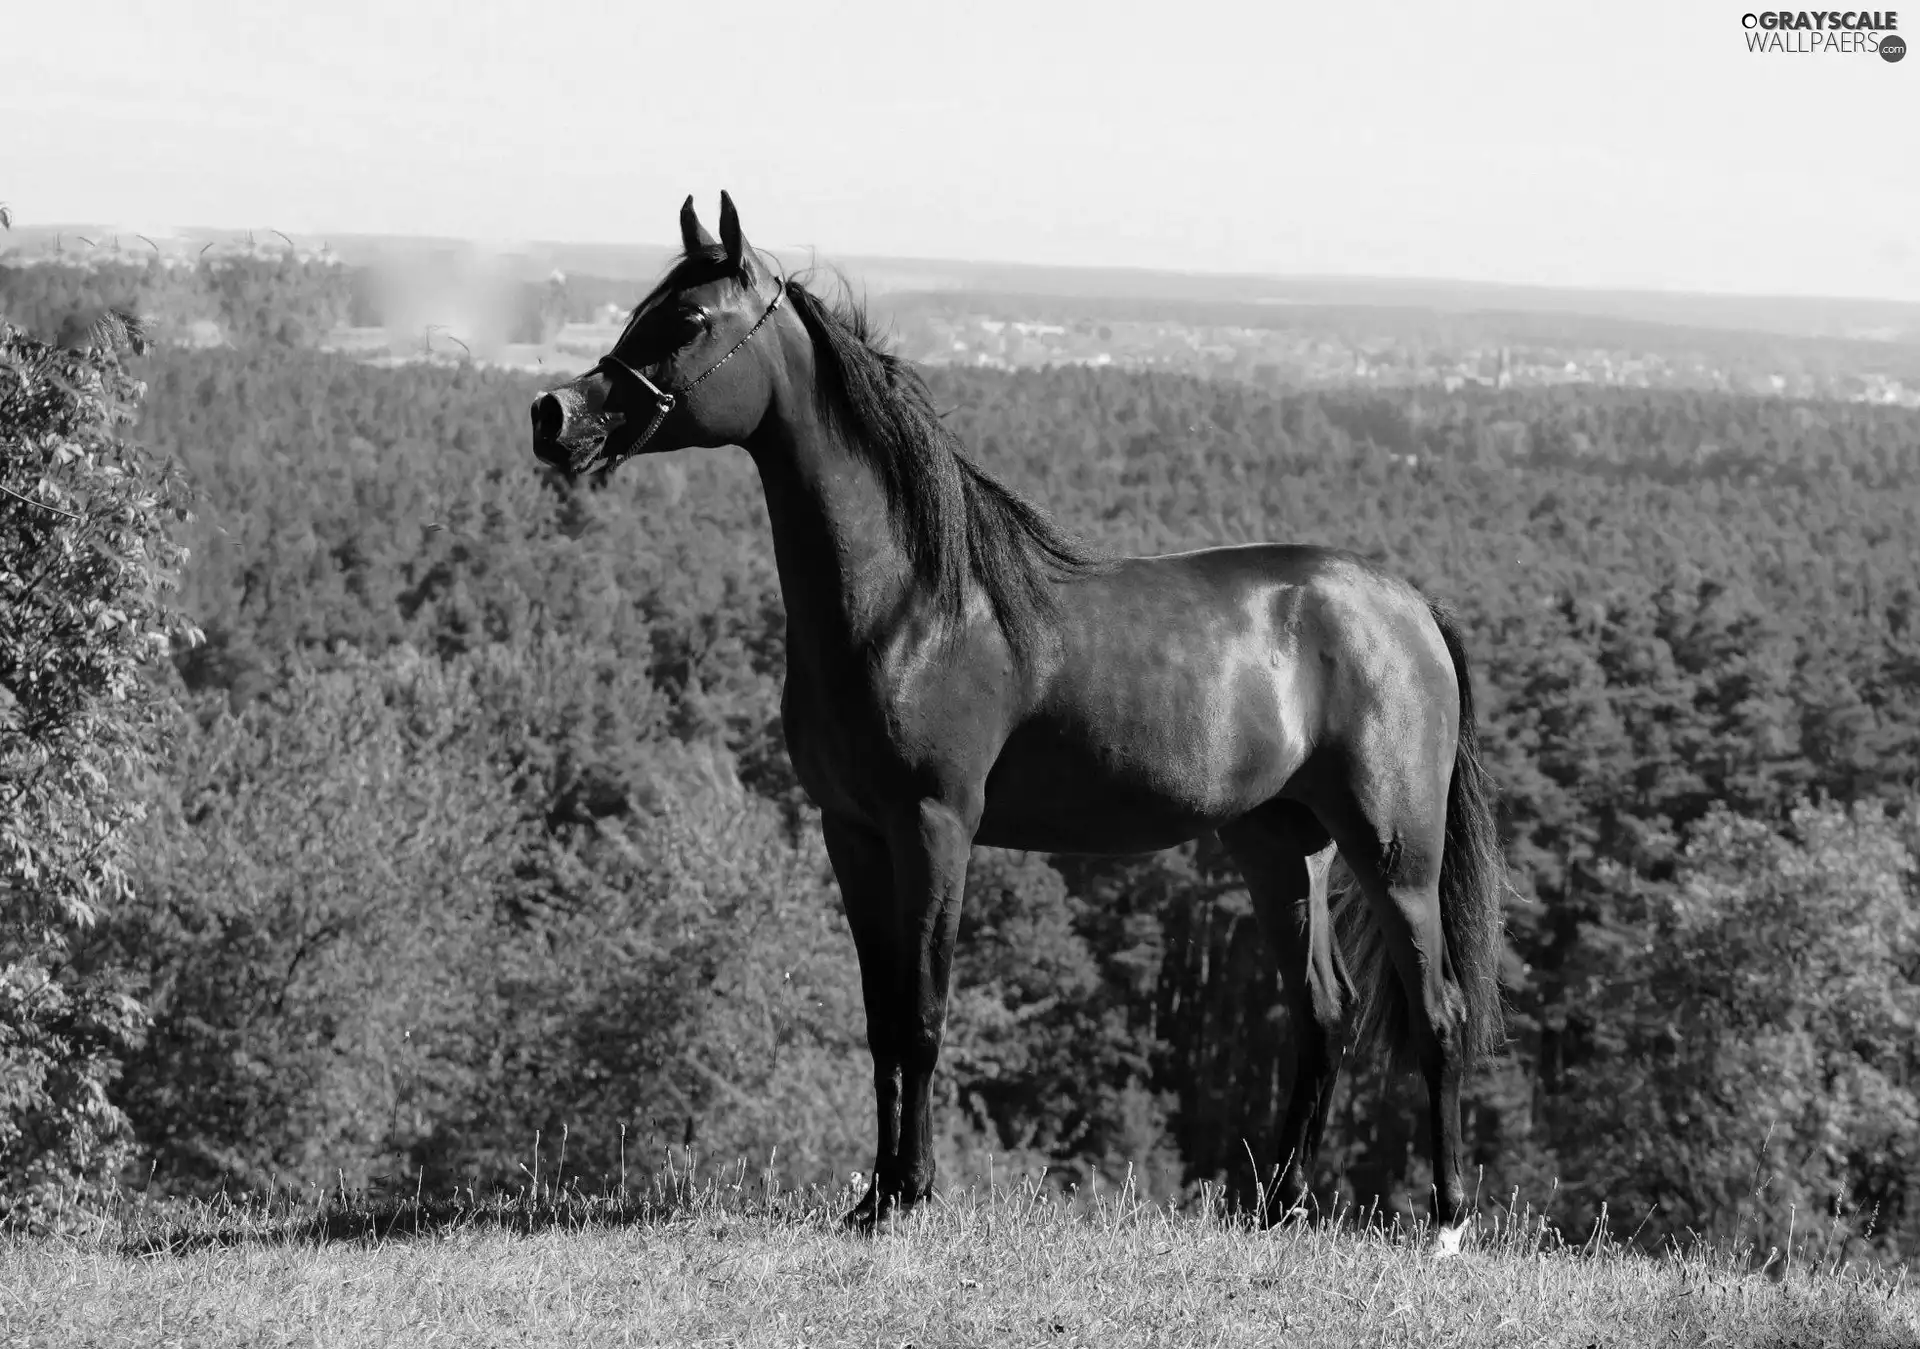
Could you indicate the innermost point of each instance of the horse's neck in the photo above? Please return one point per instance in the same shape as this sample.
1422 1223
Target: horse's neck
842 571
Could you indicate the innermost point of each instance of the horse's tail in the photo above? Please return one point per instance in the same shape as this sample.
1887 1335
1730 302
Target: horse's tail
1473 887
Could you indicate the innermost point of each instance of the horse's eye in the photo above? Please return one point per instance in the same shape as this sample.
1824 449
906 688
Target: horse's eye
690 323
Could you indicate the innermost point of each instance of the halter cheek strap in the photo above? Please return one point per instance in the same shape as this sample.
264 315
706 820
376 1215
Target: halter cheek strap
665 402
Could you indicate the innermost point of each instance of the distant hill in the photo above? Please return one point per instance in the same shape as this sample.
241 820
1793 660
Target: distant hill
1789 316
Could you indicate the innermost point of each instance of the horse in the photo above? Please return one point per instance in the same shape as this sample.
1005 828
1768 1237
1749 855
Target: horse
962 670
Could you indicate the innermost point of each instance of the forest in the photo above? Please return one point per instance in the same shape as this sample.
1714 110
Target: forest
472 838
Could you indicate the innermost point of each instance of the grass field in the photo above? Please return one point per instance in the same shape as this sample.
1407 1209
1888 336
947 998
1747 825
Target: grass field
720 1264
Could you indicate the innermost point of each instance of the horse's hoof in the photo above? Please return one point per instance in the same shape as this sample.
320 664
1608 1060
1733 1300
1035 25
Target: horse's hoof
864 1216
1446 1242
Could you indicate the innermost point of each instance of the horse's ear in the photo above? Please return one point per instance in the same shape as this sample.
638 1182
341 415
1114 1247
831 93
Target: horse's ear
738 255
693 235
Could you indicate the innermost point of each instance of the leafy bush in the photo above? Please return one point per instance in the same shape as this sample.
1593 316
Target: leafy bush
87 558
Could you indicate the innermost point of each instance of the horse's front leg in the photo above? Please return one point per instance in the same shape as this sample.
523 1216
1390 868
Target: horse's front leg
864 868
930 848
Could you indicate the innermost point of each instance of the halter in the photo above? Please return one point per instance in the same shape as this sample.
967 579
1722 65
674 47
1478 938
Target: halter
665 402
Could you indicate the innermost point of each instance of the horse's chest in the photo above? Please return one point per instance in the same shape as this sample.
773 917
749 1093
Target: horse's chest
861 746
840 746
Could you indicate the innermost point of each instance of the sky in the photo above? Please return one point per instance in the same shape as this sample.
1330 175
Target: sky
1620 145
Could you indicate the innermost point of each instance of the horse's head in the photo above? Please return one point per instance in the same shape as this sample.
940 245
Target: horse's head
680 375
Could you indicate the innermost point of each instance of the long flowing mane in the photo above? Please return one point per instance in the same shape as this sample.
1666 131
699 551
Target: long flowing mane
955 520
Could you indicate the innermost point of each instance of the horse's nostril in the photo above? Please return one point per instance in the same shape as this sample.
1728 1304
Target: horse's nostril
549 418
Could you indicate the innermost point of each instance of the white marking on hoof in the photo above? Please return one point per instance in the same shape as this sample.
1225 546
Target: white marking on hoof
1446 1242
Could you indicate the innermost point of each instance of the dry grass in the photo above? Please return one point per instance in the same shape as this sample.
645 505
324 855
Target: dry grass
734 1265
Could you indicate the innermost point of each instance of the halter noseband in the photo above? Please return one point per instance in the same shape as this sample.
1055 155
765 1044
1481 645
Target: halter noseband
665 402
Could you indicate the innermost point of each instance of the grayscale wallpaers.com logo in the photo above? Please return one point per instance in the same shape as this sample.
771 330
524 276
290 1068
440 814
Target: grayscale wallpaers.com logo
1797 32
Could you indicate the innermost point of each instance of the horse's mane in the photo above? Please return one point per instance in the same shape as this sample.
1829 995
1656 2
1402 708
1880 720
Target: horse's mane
954 519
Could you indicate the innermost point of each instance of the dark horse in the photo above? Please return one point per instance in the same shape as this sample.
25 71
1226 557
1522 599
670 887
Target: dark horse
961 671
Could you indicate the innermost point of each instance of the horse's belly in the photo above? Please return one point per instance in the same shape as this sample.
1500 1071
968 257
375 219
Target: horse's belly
1115 779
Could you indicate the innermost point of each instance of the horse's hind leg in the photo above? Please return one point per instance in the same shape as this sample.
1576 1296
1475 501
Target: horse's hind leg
1285 855
1391 830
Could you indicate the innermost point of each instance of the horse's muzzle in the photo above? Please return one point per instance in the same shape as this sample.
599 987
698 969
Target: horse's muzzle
550 431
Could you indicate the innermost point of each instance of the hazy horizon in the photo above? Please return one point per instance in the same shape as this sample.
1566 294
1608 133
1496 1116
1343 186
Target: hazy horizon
1635 148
